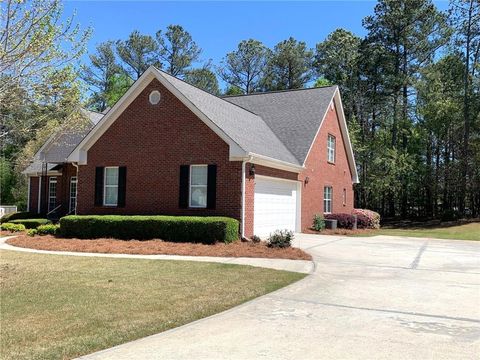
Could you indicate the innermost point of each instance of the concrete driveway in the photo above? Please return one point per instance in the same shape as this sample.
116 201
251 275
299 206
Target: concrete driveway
369 298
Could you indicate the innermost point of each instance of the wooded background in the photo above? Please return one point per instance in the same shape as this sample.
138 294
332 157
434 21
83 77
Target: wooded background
410 89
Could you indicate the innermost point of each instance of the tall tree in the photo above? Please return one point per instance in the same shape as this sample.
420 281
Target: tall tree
177 50
34 40
439 105
336 59
138 52
289 66
466 21
98 75
411 31
244 68
38 86
203 78
118 84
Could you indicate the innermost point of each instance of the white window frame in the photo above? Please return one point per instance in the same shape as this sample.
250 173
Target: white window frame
52 180
73 180
190 187
331 148
105 186
327 202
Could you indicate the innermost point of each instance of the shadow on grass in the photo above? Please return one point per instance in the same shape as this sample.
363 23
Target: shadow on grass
402 224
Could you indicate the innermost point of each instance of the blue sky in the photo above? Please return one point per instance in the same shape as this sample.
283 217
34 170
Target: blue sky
218 26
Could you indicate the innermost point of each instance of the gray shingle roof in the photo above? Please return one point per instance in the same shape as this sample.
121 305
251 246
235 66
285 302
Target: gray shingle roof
61 144
245 128
294 116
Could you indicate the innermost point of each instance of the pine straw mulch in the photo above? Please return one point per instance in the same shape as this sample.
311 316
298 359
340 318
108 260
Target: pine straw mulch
156 247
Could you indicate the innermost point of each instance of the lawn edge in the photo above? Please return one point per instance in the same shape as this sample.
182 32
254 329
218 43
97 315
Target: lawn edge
242 261
178 328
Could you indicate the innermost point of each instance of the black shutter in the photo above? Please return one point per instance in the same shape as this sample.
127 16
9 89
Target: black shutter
211 186
99 185
184 180
122 185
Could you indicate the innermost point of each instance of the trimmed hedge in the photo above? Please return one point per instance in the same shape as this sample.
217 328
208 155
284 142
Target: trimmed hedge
48 229
17 215
31 223
12 227
207 230
344 221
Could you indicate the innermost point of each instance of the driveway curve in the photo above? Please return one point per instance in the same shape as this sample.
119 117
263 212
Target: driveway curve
368 298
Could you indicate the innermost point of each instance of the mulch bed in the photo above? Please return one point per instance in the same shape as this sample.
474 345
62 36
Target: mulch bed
156 247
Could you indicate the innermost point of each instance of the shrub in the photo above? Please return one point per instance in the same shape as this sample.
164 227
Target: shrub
31 223
280 239
207 230
48 229
12 227
344 221
450 215
318 222
17 215
372 220
363 222
256 239
32 232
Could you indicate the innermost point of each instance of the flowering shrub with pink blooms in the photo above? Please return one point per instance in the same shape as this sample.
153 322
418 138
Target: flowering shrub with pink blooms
367 219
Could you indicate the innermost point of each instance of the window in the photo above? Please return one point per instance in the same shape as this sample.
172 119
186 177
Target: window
52 193
331 148
198 186
73 194
110 189
327 199
344 197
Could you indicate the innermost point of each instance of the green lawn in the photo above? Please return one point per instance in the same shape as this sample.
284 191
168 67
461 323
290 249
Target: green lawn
470 231
55 307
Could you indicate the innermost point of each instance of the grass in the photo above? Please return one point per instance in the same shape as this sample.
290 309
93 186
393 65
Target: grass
469 231
60 307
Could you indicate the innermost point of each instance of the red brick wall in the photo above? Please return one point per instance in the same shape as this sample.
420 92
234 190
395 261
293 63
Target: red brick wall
321 173
33 205
152 141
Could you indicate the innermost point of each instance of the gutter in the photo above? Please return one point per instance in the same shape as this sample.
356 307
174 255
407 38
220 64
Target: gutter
275 163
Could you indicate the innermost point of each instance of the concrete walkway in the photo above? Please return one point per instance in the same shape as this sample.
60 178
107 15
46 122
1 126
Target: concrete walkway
369 298
300 266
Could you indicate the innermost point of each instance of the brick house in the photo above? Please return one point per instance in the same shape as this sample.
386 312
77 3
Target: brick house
271 160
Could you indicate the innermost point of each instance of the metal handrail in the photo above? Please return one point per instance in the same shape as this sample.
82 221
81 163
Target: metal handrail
51 211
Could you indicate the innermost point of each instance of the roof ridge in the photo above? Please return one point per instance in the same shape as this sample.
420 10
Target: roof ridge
279 91
206 92
238 106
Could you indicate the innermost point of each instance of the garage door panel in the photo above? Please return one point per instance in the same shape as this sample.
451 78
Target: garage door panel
275 205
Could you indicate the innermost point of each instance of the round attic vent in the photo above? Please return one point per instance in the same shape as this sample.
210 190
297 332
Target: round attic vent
154 97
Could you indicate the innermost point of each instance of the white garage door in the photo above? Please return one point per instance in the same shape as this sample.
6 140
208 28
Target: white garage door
275 205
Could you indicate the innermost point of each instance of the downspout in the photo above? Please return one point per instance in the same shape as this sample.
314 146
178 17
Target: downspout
244 164
76 189
28 192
